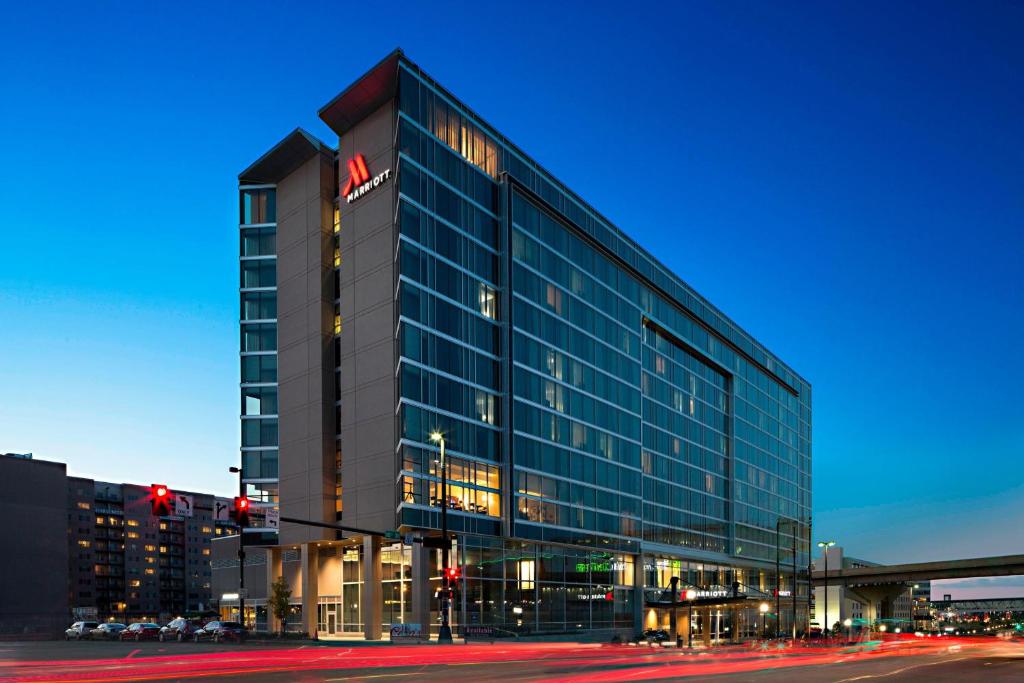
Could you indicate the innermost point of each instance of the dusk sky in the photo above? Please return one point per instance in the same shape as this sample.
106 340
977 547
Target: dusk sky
844 180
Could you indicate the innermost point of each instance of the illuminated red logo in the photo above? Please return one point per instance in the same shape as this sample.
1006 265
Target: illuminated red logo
357 173
359 179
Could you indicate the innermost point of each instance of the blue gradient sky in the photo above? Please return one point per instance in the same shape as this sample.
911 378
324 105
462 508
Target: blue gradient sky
843 180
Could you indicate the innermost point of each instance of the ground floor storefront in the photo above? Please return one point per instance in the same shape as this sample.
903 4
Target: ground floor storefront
363 587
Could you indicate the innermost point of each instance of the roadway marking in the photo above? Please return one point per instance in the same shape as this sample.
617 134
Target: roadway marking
359 678
899 671
133 653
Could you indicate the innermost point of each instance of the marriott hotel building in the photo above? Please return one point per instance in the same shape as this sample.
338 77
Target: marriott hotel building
606 427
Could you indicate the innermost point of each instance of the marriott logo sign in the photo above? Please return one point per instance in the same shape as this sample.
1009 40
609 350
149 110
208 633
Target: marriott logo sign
359 180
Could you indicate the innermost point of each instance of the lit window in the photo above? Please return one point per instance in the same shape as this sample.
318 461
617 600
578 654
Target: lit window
485 406
133 534
337 220
101 520
84 544
133 522
554 299
206 551
135 583
337 257
488 301
163 526
83 506
150 560
337 323
150 571
163 549
150 548
207 530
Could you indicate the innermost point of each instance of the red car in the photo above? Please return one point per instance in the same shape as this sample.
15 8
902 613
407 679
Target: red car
141 631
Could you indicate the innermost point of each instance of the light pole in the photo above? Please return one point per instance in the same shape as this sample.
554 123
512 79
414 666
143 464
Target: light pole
913 602
763 607
444 635
241 554
825 545
691 595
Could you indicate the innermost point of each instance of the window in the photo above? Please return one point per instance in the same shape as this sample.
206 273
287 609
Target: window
259 337
337 257
150 548
207 530
337 220
262 273
258 206
133 534
135 583
206 551
83 505
150 571
259 401
262 368
133 522
84 544
488 302
259 242
259 306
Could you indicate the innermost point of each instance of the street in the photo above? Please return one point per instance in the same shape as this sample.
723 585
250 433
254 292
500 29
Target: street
943 659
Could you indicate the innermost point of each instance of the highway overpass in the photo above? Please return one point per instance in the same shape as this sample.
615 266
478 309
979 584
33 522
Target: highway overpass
1005 565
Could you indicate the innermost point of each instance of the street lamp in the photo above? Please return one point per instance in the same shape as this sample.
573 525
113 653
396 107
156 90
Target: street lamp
825 545
444 635
763 607
691 595
913 602
848 623
241 553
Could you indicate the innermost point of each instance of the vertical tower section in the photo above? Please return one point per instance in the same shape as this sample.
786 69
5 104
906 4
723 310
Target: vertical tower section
258 352
287 291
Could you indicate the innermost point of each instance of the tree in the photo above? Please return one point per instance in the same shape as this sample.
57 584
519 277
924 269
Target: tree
280 594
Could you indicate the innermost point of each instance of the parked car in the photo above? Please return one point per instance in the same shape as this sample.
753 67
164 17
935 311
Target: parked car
179 629
80 629
218 631
107 631
656 635
141 631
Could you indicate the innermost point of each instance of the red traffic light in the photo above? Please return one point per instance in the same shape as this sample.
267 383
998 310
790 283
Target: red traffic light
161 498
242 505
453 573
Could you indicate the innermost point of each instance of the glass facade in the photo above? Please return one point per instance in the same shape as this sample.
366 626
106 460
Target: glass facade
588 396
258 407
606 429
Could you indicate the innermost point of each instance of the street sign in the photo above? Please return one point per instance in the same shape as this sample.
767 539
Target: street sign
184 503
392 535
221 511
408 633
273 518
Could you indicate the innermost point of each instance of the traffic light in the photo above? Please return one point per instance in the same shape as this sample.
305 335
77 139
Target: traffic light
160 497
242 511
453 574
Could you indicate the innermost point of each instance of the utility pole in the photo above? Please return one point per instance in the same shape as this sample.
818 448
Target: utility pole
444 634
241 553
825 545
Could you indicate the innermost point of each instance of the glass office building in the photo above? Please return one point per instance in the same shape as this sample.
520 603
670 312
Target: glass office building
607 430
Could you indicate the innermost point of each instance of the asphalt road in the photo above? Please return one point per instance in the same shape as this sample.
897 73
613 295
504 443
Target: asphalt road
935 661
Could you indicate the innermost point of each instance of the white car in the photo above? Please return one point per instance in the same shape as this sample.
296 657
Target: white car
80 629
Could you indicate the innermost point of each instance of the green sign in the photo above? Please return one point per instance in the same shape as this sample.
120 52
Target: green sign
392 535
583 567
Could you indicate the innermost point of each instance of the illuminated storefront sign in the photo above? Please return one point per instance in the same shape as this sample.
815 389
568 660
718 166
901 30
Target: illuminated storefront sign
359 180
607 566
595 596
